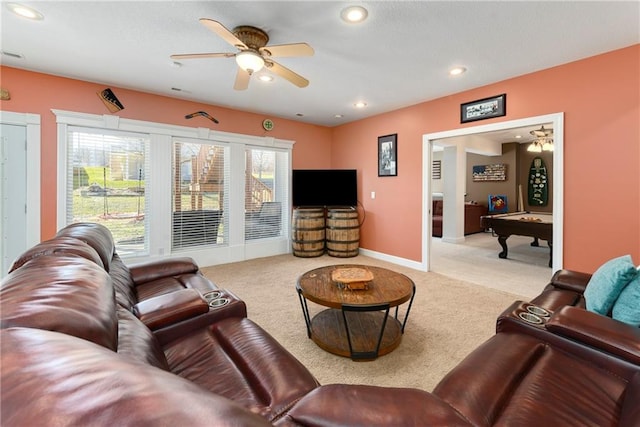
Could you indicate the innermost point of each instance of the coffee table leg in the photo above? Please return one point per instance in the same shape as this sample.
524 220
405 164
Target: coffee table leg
365 355
406 315
305 312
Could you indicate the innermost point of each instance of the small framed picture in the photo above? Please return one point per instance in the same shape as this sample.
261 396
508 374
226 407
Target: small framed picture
388 155
486 108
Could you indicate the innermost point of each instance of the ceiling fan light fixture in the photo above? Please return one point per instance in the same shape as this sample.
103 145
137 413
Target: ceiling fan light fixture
534 147
543 141
354 14
249 61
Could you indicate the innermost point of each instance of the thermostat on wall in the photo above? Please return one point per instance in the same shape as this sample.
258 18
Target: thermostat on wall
267 124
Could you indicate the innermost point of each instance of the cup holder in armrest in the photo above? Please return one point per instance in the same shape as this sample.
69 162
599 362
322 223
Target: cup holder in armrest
210 296
530 318
538 311
219 302
215 299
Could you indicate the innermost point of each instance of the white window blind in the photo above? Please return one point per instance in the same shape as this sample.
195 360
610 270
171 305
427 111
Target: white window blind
200 192
266 193
107 171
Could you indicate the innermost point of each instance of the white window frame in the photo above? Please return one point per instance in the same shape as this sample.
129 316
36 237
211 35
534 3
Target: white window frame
160 203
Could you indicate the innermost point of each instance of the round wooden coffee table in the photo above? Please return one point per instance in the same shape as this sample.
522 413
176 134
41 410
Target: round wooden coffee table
357 323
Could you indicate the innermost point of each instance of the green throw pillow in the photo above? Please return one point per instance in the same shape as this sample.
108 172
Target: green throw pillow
627 308
607 282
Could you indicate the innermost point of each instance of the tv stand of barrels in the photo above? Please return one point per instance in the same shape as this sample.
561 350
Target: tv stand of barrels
334 230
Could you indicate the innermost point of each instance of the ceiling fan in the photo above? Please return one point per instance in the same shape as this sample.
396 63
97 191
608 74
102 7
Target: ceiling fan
254 54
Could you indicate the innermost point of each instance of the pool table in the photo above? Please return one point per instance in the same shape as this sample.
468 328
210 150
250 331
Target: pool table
538 225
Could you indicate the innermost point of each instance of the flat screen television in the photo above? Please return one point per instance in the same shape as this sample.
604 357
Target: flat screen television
324 187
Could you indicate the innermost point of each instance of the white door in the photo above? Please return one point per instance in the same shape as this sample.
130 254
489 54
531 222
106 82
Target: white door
13 194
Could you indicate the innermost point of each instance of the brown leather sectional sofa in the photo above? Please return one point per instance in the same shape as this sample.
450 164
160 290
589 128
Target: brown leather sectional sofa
88 341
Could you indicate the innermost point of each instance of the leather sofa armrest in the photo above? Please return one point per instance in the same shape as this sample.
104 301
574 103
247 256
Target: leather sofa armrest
154 270
597 331
167 309
571 280
362 405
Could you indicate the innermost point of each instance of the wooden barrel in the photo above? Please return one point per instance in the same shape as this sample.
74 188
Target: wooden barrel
307 232
343 232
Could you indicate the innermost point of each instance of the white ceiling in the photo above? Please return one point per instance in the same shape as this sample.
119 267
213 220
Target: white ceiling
398 57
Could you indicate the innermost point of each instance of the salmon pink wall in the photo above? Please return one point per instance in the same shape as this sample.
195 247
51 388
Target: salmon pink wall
600 98
39 93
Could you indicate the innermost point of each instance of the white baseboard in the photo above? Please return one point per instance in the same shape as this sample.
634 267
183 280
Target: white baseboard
393 259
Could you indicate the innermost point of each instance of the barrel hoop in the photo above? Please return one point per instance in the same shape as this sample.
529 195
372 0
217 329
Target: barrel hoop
308 241
306 228
343 241
341 228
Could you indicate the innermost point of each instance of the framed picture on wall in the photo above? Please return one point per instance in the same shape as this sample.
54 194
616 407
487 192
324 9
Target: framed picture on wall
388 155
486 108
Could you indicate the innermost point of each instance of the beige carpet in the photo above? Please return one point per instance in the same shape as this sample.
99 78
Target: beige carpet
449 318
525 272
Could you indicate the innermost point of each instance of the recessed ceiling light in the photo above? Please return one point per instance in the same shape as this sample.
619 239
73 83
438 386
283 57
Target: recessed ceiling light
354 14
338 116
25 12
518 136
360 104
457 71
265 78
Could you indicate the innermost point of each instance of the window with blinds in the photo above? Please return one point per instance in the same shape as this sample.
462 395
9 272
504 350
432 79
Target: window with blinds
107 171
200 184
266 193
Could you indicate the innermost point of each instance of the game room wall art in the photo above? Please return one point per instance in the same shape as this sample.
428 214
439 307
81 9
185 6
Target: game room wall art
495 106
497 172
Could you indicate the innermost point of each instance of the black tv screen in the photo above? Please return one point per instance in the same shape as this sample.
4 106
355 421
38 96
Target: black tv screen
325 187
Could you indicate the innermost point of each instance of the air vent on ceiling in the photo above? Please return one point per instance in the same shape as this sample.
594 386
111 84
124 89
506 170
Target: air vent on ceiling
12 55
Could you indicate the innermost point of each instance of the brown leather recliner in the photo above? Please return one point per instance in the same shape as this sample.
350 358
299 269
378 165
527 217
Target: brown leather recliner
73 298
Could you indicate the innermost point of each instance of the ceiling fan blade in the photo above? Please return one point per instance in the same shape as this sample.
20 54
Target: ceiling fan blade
293 49
202 55
282 71
222 31
242 80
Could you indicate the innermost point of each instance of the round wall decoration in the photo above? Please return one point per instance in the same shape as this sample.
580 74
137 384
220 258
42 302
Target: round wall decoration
267 124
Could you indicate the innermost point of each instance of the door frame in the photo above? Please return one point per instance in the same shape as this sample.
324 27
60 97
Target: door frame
557 120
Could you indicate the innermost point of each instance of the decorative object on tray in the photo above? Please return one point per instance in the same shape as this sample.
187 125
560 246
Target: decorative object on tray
388 155
495 106
530 219
352 278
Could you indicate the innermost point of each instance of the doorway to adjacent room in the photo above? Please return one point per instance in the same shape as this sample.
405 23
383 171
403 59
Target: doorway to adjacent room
467 139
